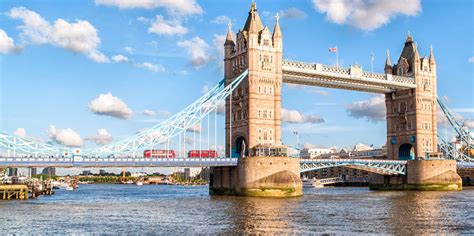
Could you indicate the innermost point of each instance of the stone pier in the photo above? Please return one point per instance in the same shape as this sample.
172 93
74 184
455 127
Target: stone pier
258 177
427 175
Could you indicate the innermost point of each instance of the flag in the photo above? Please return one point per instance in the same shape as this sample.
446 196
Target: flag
334 49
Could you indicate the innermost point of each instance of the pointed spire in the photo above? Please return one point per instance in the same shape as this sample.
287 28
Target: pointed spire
277 31
253 24
409 38
388 64
417 54
229 40
253 7
432 59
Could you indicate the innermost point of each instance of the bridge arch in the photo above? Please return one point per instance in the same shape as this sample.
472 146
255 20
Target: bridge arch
406 151
240 145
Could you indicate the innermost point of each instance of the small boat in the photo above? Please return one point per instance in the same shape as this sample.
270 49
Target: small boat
69 188
139 183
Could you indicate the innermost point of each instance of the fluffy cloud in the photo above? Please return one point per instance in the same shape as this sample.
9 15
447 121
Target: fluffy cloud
66 137
108 105
164 113
293 116
160 26
220 109
194 129
198 50
320 92
221 20
366 14
78 37
218 43
469 124
372 109
7 44
149 113
150 66
102 137
181 7
292 13
128 49
471 60
119 58
20 132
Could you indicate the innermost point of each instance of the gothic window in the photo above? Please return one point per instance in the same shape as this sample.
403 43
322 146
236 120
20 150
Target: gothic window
265 136
259 89
259 113
403 107
271 90
266 42
264 113
270 115
265 90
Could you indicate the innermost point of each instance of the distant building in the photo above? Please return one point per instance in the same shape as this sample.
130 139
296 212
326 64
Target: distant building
313 153
49 171
86 172
12 171
138 174
102 172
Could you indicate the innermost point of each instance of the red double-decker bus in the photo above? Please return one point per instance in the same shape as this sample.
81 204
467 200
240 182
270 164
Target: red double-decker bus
202 154
161 153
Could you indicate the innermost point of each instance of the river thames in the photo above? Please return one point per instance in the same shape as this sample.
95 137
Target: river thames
156 209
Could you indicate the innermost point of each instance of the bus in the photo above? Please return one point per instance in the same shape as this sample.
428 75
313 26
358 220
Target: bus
161 153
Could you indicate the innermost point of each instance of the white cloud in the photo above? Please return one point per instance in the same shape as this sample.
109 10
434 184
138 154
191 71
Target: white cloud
373 109
149 113
129 50
220 108
160 26
181 7
218 43
198 50
102 137
309 145
78 37
7 44
150 66
205 89
320 92
292 13
469 124
293 116
107 104
20 132
194 129
366 14
221 20
464 110
120 58
471 60
66 137
181 72
164 113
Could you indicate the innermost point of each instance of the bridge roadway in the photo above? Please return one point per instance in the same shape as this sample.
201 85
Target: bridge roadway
384 167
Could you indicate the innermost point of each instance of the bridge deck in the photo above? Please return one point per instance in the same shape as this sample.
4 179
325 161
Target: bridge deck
353 78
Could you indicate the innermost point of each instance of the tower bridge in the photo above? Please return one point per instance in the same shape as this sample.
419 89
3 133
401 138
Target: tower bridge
254 162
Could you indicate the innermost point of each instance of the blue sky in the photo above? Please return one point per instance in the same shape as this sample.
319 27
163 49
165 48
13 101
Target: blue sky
155 57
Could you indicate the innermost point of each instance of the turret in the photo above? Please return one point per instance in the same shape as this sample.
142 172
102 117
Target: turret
277 36
253 25
432 60
229 41
388 64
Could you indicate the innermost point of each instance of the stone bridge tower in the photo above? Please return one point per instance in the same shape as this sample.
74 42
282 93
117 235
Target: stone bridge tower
411 114
253 116
253 112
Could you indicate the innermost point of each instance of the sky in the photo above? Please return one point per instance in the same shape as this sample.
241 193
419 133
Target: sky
87 73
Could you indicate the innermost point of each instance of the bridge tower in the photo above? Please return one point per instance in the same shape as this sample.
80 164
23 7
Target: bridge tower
253 115
412 127
411 114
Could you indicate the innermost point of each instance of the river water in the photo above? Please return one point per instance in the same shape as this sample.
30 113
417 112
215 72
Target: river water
156 209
